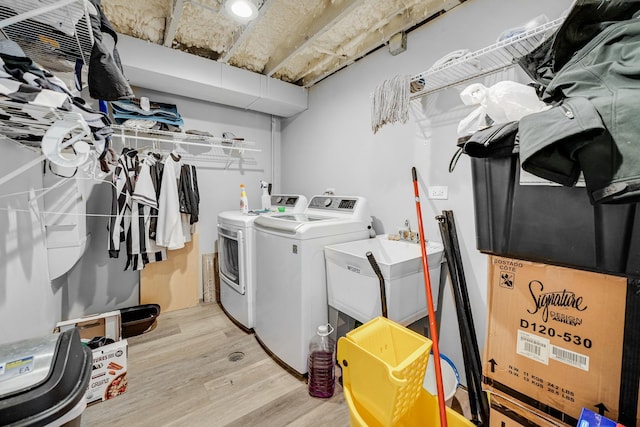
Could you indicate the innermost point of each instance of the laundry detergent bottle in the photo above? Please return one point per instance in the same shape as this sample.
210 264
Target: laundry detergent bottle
244 201
321 363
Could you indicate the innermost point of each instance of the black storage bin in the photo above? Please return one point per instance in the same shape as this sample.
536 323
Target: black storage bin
45 380
138 319
551 224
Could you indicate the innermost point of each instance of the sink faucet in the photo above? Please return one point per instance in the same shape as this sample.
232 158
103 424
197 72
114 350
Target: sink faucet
407 234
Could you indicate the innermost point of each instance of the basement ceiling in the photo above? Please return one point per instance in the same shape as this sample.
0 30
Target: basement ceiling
297 41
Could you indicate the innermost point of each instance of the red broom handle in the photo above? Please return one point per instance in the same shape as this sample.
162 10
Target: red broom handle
432 316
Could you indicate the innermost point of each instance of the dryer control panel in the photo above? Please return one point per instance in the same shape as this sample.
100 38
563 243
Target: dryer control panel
284 200
344 204
292 202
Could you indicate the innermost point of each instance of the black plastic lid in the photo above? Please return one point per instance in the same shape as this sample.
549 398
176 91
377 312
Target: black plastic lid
59 393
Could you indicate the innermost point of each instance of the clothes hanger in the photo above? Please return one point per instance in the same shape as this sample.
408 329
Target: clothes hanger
175 155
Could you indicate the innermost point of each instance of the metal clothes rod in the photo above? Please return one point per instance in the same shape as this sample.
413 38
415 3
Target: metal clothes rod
176 141
166 137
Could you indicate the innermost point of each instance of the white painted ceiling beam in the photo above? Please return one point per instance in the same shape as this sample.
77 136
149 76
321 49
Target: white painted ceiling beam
174 21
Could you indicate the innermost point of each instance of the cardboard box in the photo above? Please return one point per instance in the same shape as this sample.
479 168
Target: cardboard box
96 325
556 337
510 413
109 371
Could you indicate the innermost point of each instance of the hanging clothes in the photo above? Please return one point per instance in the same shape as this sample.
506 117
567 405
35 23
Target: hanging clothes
169 231
189 200
196 192
145 203
154 207
134 205
124 178
156 176
189 195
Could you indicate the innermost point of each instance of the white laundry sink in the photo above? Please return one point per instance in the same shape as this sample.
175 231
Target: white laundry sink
353 287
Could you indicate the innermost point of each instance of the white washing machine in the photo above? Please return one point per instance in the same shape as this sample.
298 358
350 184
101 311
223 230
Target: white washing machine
291 290
237 258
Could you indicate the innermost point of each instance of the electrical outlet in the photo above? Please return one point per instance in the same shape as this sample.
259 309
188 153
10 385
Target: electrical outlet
438 192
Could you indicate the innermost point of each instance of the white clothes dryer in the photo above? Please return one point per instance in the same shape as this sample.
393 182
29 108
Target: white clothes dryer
291 290
237 258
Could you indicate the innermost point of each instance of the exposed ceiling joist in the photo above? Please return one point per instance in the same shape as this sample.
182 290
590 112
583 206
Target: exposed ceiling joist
396 22
362 44
266 4
204 6
173 22
333 12
296 41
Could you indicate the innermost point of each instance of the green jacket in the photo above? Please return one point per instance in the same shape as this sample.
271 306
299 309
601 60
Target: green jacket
594 127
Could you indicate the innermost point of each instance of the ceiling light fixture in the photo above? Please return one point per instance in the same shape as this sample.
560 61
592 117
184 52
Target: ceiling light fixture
242 10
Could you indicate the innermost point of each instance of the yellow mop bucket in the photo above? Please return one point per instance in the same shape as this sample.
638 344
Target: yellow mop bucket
383 367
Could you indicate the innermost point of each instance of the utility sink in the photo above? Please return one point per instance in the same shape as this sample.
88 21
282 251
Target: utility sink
353 287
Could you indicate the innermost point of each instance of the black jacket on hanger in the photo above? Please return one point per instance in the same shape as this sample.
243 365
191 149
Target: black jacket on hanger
188 192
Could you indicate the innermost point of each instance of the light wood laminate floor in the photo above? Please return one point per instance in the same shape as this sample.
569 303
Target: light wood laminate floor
184 372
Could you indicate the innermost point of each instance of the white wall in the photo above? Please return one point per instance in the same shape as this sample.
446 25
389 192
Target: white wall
332 144
29 303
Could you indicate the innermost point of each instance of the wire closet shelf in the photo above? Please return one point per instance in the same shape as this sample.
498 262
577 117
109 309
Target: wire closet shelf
206 148
488 60
53 33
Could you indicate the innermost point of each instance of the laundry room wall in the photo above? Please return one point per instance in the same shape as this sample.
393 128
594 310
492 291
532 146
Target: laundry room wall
331 145
29 303
97 283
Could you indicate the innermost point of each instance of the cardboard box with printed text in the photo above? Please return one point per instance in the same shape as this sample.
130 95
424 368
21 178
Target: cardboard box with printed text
555 338
109 370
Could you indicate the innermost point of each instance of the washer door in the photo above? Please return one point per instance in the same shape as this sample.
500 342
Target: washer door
231 253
